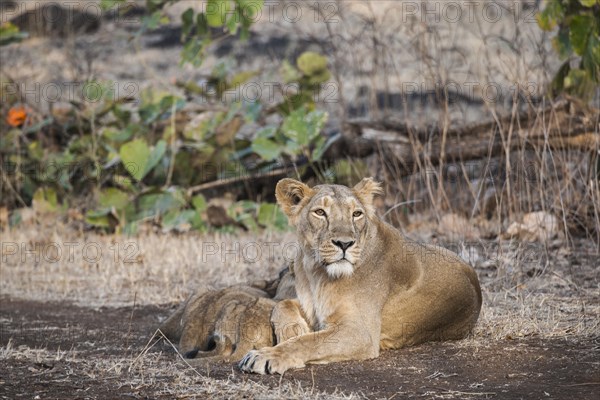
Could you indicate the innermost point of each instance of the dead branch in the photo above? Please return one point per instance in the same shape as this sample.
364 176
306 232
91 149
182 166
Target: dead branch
566 125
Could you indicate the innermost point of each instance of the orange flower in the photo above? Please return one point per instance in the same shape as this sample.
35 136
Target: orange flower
16 116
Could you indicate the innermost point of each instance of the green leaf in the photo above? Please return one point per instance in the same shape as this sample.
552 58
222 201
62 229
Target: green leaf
244 212
199 203
589 3
311 63
548 18
117 135
135 156
139 159
131 228
270 216
98 219
35 150
123 116
108 4
154 21
193 51
232 24
45 200
321 146
302 129
558 82
187 21
267 132
562 43
202 25
292 148
252 111
294 127
156 5
159 106
578 82
123 181
156 155
266 148
319 77
304 99
250 8
113 197
154 204
315 121
591 59
580 32
216 11
178 220
544 21
241 77
197 223
15 218
289 72
37 127
10 33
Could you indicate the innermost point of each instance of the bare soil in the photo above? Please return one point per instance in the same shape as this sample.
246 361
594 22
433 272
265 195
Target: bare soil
528 368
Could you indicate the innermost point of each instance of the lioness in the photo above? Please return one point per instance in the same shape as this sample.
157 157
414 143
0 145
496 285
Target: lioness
361 285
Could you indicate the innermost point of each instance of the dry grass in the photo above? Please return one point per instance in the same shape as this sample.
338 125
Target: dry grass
58 263
176 380
529 289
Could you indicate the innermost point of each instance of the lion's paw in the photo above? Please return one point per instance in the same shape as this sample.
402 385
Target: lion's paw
269 360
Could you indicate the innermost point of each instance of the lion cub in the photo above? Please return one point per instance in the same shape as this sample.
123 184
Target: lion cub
361 285
223 325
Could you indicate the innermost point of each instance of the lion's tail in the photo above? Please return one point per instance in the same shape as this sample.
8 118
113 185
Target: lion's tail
222 350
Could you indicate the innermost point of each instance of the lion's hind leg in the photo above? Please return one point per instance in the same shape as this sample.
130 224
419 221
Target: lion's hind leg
288 320
172 327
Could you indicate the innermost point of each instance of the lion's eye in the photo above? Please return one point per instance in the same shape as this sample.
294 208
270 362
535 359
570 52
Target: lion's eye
357 214
320 212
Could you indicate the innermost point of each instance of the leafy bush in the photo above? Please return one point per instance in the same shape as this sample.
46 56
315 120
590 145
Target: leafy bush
227 17
578 36
129 164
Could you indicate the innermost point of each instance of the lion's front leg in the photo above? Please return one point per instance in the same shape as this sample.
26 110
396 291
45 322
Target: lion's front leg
288 323
338 342
270 360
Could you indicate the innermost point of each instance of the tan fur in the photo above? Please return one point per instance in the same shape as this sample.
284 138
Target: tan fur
382 291
223 325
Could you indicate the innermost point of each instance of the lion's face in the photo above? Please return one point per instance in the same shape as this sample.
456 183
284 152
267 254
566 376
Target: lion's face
331 220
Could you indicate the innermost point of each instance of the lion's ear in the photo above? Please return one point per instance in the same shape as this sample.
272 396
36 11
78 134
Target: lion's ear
290 193
366 190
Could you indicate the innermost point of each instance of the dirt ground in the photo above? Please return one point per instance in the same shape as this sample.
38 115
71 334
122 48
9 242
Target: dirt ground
74 338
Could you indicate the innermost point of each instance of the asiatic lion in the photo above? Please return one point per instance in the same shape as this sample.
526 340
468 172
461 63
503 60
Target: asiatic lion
223 325
361 285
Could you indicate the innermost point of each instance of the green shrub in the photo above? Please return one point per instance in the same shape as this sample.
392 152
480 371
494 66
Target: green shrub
577 42
137 162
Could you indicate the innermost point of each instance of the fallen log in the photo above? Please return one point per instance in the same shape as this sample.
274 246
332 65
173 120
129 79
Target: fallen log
565 125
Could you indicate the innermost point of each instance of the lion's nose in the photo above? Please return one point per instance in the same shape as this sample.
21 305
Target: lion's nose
342 245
